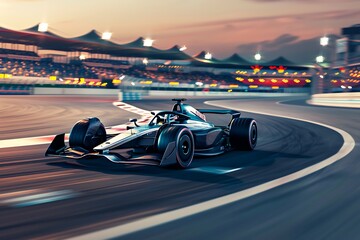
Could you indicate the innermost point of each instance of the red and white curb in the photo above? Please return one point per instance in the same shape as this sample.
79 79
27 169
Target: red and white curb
32 141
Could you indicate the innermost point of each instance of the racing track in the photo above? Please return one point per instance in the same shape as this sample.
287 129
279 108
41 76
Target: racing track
321 206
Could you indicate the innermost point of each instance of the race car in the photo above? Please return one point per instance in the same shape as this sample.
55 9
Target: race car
170 138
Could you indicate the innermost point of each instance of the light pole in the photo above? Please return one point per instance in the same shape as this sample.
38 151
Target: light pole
257 57
324 41
148 42
183 48
208 56
320 59
106 35
322 80
43 27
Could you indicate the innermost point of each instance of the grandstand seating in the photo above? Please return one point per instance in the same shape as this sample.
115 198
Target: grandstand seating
106 61
45 68
192 77
4 51
29 64
30 68
105 69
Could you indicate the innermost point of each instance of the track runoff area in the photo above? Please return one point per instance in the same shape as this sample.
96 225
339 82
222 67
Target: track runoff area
166 217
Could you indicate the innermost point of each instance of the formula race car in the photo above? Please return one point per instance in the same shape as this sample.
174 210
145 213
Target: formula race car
171 138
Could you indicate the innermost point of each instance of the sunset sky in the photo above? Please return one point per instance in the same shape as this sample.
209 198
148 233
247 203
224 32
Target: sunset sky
219 26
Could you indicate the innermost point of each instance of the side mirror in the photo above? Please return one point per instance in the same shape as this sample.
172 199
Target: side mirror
134 120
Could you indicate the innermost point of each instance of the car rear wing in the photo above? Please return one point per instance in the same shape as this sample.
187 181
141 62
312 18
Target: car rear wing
233 113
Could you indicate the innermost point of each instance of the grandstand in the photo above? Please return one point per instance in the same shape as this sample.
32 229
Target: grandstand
345 76
89 61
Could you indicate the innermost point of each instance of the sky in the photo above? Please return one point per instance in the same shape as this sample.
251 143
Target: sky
222 27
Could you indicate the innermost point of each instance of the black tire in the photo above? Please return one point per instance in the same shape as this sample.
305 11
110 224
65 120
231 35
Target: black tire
184 144
87 134
243 134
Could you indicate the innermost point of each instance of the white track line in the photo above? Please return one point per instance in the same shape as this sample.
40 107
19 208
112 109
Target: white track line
162 218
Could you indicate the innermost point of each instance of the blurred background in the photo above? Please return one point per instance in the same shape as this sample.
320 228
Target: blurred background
146 47
273 60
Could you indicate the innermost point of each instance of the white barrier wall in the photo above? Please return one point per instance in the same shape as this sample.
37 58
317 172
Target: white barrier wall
346 99
220 94
74 91
137 95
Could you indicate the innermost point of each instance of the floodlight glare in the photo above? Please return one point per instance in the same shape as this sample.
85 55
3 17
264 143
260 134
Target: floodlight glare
82 57
148 42
106 35
324 41
208 56
257 57
43 27
183 48
145 61
320 59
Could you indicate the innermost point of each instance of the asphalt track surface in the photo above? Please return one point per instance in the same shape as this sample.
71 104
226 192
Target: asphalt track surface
323 205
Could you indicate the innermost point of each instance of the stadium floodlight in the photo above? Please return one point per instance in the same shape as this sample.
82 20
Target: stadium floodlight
257 57
43 27
106 35
183 48
148 42
208 56
320 59
145 61
324 41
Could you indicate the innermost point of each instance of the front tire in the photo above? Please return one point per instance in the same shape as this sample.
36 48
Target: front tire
184 144
243 134
87 134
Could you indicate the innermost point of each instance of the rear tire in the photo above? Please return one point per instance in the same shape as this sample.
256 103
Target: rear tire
87 134
184 144
243 134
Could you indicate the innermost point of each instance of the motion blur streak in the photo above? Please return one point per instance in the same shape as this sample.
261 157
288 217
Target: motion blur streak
215 170
34 177
31 141
40 198
156 220
23 142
